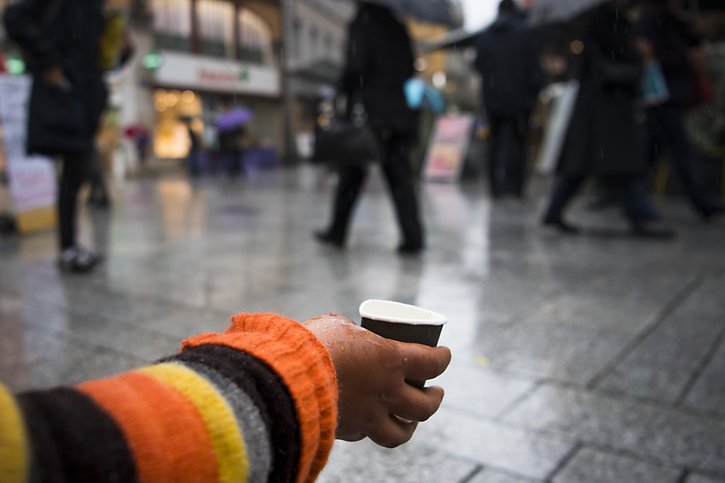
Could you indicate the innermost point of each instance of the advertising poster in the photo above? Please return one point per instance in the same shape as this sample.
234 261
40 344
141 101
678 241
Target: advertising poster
31 178
448 148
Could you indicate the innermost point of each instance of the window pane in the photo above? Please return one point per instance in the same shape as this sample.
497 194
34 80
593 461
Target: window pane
255 38
172 24
216 28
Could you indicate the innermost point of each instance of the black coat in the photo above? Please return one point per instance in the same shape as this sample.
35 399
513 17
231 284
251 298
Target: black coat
379 62
65 34
606 134
506 58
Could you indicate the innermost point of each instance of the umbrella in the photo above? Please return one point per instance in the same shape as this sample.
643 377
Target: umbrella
548 11
455 39
434 11
233 119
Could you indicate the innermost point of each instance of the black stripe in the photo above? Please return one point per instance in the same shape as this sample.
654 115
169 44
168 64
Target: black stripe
74 440
267 391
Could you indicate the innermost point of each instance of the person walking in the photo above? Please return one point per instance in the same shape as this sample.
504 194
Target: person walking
62 41
675 47
507 60
605 137
379 62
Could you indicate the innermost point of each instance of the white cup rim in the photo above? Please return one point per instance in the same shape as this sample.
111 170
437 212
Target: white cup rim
400 313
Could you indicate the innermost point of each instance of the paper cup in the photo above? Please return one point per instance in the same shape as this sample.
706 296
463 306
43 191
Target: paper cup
402 322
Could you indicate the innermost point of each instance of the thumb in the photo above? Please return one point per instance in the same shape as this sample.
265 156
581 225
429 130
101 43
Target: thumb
423 362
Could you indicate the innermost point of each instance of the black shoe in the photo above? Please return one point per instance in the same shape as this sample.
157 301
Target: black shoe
328 239
712 212
78 260
410 248
562 226
650 231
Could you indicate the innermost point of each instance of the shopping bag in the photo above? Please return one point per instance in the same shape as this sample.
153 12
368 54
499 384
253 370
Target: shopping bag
654 86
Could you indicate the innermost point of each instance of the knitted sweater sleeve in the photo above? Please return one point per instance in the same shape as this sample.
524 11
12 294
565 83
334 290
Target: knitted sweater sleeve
256 403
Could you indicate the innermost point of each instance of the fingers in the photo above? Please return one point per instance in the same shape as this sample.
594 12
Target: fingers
391 432
414 404
422 362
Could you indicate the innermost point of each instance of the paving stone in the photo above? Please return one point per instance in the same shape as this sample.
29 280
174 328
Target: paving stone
552 350
698 478
662 365
665 434
480 390
77 363
521 452
414 462
595 466
708 392
487 475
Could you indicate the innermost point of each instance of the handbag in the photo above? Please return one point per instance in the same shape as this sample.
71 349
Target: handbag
654 86
345 140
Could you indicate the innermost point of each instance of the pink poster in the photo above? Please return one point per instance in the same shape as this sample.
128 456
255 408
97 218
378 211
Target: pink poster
448 147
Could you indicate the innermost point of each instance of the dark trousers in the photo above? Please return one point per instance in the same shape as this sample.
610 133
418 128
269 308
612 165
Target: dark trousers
99 191
667 131
396 168
630 190
507 161
74 172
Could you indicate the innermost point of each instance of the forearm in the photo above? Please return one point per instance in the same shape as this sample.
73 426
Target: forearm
257 403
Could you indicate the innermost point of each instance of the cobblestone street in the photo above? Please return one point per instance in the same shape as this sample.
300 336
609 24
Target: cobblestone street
595 358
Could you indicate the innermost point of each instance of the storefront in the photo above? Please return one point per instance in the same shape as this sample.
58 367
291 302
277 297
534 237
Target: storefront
214 55
196 90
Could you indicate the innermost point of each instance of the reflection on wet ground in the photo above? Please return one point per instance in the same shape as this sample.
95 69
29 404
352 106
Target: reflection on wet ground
575 359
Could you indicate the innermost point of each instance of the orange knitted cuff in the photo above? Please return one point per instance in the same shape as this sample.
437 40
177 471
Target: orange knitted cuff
304 365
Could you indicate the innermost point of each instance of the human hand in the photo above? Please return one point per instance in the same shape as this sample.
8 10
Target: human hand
55 77
375 401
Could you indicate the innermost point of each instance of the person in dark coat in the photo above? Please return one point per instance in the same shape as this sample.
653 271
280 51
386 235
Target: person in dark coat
62 41
673 44
606 137
379 61
507 60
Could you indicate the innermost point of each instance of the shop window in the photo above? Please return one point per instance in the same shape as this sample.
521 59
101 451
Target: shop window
172 24
175 111
314 43
255 38
215 20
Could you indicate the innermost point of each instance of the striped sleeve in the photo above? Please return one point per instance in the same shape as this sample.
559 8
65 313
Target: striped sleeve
257 403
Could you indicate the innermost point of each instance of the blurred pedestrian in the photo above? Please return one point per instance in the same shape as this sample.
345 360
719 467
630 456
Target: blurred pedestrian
605 137
62 41
379 62
674 45
507 59
193 158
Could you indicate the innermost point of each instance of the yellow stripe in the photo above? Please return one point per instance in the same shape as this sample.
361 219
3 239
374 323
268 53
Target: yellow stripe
219 419
13 443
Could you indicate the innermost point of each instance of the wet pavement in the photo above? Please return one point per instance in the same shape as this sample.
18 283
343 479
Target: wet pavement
576 359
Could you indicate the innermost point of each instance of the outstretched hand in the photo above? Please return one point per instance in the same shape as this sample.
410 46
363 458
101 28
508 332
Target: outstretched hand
375 401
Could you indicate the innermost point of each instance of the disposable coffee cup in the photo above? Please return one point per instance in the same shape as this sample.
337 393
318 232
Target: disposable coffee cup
404 323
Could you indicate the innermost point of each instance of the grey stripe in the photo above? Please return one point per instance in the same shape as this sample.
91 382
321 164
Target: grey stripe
254 431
